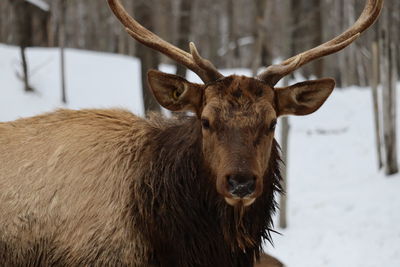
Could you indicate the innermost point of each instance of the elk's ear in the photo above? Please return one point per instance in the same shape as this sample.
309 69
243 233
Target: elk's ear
303 98
175 93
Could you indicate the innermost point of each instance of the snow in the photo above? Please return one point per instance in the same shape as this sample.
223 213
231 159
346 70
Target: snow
342 211
40 4
93 81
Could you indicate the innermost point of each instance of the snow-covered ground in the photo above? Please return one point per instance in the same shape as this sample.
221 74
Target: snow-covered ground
342 211
40 4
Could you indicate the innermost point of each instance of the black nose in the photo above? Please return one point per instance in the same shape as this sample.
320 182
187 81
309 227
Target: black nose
241 185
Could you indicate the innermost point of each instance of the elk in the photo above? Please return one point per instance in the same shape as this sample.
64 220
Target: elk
107 188
268 261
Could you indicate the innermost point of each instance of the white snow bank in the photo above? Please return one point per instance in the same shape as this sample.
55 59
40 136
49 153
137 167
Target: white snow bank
342 211
93 81
40 4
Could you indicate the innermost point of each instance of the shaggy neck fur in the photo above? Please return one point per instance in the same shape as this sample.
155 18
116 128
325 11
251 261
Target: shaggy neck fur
176 203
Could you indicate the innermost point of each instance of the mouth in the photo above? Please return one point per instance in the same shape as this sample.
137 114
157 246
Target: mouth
240 201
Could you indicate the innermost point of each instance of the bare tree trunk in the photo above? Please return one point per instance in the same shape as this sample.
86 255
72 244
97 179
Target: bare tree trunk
376 109
149 59
24 36
213 34
392 165
63 6
285 148
318 35
184 32
342 62
389 94
350 69
25 74
287 51
259 38
233 34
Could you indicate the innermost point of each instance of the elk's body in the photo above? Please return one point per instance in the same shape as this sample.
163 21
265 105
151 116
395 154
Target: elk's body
268 261
64 189
106 188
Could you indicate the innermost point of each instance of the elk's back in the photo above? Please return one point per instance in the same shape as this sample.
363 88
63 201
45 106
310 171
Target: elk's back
64 188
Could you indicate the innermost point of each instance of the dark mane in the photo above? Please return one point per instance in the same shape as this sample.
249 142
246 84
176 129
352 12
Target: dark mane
175 202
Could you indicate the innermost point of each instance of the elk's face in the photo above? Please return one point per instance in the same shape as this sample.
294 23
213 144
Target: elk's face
238 117
238 122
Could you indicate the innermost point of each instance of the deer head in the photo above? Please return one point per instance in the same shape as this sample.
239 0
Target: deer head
238 114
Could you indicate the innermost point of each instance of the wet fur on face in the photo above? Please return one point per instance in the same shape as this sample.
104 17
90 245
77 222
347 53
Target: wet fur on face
240 114
187 211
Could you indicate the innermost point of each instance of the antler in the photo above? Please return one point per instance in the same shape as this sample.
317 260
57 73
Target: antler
193 61
273 74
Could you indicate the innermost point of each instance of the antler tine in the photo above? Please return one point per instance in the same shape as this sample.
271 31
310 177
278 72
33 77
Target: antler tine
202 67
273 74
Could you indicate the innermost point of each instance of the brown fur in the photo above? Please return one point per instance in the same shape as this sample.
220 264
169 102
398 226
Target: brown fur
239 113
239 138
107 188
268 261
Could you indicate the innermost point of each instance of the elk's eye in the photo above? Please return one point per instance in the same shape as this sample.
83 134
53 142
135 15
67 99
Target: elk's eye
205 123
272 126
176 94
